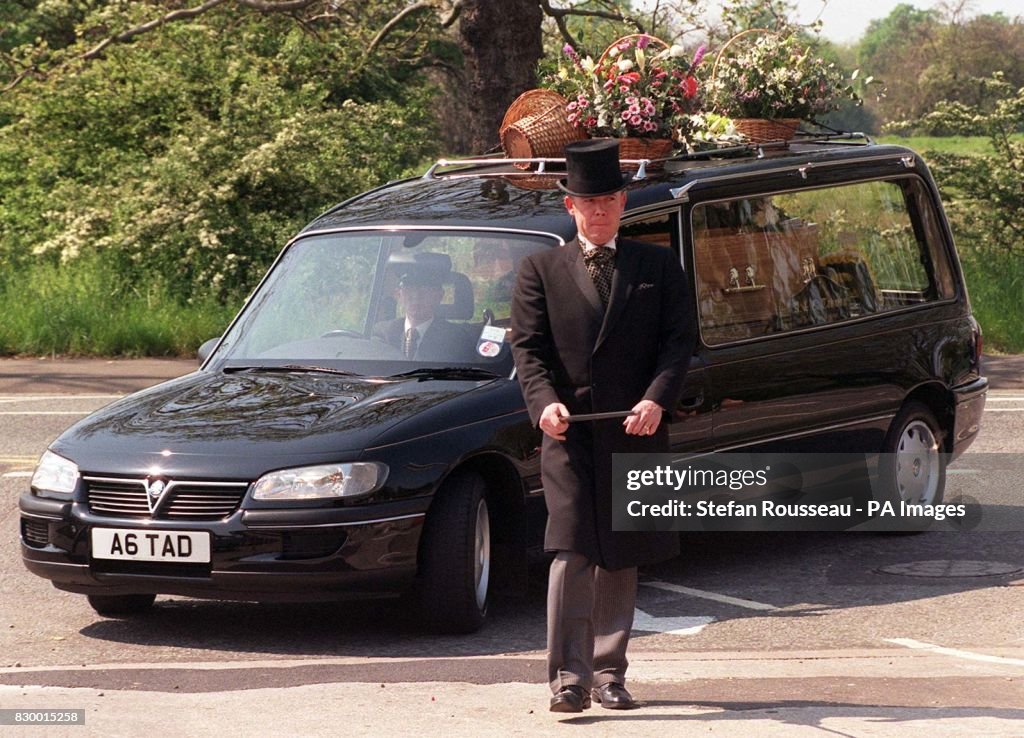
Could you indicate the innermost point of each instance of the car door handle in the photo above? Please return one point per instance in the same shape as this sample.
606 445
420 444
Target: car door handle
692 403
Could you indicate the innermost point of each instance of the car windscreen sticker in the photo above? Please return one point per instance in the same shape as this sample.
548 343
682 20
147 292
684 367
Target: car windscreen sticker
491 339
488 348
493 333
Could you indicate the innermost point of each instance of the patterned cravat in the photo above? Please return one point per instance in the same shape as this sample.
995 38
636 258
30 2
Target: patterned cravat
412 339
600 263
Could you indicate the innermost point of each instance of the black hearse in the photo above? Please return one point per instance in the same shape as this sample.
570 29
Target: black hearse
311 457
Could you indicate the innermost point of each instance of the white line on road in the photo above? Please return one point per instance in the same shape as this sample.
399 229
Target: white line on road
726 599
955 652
43 398
1004 410
49 412
16 475
670 625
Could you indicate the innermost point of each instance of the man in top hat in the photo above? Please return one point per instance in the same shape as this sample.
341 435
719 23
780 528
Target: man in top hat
600 324
421 334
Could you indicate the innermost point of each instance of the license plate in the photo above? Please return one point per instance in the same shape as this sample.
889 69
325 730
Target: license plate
151 545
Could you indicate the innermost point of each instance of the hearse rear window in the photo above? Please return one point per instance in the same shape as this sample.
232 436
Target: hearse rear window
788 261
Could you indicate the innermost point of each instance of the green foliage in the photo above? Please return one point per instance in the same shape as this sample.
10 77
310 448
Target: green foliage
89 309
982 183
926 58
984 194
188 158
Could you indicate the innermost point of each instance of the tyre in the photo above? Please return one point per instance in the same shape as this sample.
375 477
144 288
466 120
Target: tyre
913 463
455 557
115 606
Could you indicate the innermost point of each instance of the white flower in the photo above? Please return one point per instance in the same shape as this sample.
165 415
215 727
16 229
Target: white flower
676 51
624 65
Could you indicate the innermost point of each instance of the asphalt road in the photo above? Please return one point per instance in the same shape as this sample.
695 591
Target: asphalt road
817 634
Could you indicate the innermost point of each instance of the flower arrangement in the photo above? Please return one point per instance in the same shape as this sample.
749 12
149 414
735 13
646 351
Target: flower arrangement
640 87
776 77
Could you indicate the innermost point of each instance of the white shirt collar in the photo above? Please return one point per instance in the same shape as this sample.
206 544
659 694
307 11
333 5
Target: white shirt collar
421 328
589 246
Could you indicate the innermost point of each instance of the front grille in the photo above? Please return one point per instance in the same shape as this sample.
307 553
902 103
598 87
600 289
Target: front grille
35 533
179 500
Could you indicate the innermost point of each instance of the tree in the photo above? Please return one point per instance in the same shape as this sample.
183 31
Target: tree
985 194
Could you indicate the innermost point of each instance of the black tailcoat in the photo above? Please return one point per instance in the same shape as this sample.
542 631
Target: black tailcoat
569 349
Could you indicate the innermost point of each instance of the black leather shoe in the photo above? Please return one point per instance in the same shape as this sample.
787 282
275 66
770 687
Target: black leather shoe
570 699
613 697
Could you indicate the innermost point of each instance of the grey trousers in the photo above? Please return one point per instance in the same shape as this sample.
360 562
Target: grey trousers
590 616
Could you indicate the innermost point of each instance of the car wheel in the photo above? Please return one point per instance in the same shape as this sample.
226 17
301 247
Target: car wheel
455 557
913 462
114 606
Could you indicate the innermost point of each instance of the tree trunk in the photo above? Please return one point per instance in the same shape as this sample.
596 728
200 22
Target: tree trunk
501 41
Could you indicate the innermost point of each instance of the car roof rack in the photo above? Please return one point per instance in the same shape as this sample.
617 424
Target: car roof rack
471 162
542 164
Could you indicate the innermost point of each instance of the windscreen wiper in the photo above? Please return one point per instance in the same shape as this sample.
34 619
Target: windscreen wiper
291 368
448 372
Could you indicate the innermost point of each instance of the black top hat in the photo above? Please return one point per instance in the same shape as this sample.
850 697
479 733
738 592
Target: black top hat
593 168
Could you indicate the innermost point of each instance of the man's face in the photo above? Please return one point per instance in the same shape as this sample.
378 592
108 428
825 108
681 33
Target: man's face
597 218
419 301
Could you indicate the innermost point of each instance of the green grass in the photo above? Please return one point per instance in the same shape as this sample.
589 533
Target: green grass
73 311
996 286
973 145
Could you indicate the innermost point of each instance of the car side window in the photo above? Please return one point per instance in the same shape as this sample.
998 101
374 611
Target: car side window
770 264
660 230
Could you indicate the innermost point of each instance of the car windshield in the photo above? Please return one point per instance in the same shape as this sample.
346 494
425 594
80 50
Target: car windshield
384 303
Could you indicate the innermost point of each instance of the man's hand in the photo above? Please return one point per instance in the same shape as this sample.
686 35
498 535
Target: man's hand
646 420
552 420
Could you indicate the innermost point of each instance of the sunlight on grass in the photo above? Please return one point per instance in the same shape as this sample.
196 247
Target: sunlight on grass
72 310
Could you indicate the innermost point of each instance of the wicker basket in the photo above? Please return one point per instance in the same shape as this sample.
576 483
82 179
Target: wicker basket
655 149
535 125
762 130
758 130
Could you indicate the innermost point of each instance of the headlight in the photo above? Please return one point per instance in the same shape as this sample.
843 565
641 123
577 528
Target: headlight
55 476
321 482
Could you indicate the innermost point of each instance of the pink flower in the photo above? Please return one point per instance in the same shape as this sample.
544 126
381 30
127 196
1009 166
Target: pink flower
699 56
689 87
643 42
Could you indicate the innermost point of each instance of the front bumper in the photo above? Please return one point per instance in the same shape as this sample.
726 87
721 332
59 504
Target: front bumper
969 404
297 554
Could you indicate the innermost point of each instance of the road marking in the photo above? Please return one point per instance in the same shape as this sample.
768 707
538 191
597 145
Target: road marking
955 652
49 412
1006 398
671 625
1004 410
726 599
16 475
43 398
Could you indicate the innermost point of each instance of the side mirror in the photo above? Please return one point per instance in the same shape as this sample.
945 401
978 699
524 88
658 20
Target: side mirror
206 349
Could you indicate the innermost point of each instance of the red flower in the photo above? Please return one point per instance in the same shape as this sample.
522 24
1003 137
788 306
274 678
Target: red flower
689 87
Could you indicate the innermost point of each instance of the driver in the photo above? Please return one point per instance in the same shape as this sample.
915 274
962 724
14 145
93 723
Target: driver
421 335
